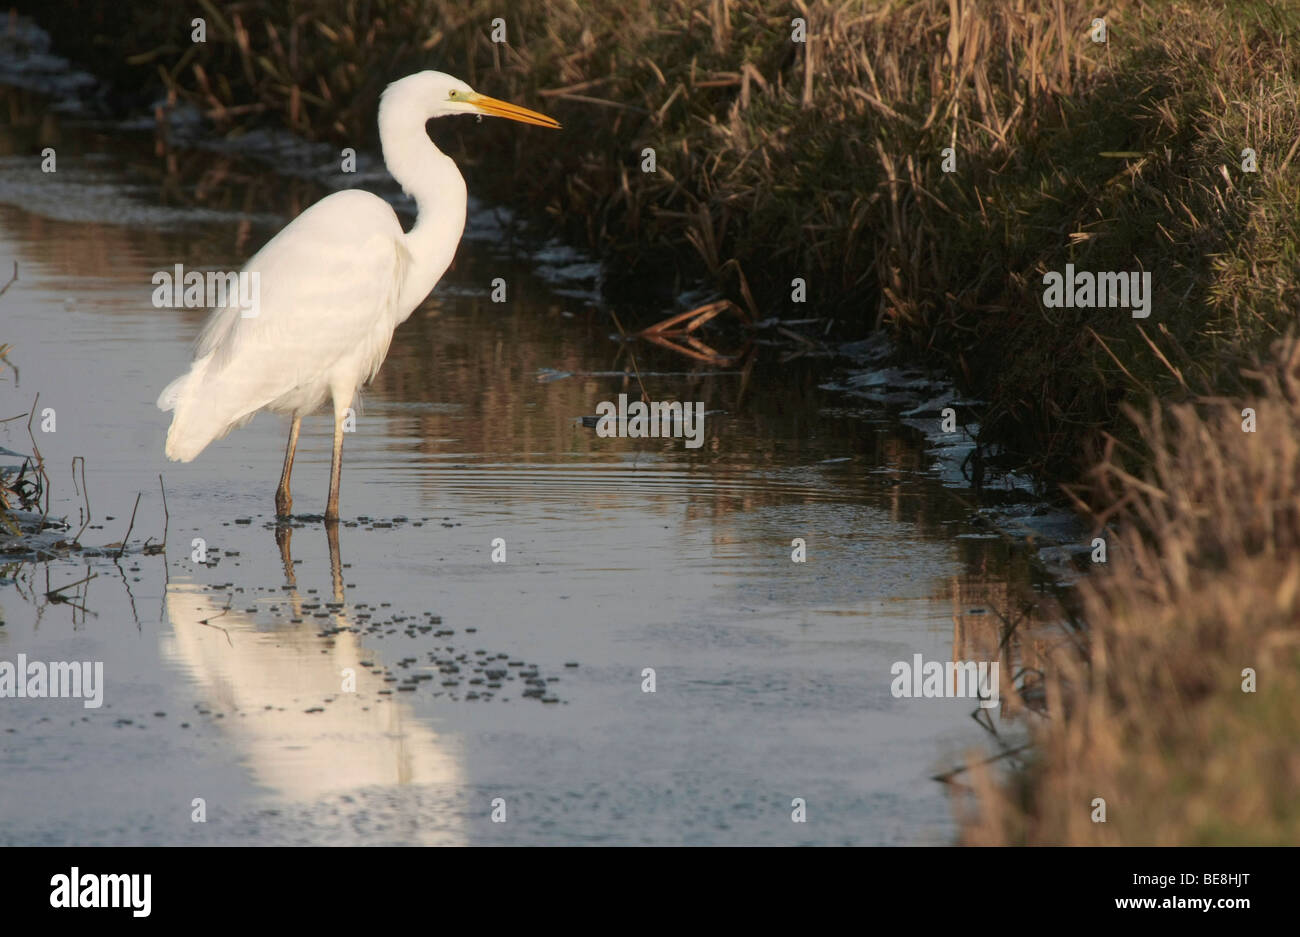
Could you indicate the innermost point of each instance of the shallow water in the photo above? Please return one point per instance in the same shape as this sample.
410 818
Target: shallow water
224 678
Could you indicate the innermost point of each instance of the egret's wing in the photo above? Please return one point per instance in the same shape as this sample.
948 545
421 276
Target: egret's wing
326 292
323 287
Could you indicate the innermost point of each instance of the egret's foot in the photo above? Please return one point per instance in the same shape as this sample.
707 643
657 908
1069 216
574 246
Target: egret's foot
283 505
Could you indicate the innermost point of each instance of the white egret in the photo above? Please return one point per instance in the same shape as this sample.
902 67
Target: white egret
331 288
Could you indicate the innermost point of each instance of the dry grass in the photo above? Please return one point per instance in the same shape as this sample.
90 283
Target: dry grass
1203 581
822 160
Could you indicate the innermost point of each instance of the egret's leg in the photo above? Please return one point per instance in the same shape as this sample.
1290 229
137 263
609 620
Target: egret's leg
284 500
336 468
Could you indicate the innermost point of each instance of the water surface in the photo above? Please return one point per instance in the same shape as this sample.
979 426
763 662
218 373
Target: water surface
224 679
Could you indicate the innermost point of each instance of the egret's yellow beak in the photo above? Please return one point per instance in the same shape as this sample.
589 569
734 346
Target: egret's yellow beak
494 108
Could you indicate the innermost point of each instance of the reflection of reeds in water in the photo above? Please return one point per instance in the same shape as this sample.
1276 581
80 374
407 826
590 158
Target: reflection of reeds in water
265 681
1000 619
102 240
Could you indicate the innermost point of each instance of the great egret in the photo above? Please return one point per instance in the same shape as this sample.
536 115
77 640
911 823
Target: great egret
331 288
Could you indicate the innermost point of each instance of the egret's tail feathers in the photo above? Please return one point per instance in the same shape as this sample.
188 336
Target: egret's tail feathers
173 392
191 432
183 445
195 421
193 429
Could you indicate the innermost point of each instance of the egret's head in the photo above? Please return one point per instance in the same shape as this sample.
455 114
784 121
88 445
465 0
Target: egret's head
437 94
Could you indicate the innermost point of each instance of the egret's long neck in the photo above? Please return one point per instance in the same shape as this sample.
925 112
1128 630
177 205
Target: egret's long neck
432 179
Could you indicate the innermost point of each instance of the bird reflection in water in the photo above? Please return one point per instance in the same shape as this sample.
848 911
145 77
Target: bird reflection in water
282 689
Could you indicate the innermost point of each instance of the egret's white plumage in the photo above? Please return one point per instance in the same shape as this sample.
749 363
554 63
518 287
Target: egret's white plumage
332 286
329 288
